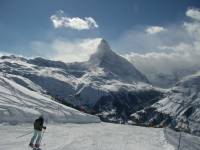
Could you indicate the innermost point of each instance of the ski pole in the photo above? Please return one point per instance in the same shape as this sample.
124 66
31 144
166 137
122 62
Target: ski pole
41 137
24 135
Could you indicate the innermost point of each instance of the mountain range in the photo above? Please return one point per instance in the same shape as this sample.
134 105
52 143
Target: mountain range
109 86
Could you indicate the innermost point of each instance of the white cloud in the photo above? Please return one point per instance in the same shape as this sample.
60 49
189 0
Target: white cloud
155 29
60 20
138 40
176 49
184 57
66 50
193 13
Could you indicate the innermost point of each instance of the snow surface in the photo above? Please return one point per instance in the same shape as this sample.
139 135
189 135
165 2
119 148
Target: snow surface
96 136
19 105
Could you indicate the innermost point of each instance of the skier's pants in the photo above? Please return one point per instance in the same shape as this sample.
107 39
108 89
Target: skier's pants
36 137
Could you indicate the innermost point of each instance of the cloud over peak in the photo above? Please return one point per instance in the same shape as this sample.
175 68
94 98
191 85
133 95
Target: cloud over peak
60 20
66 50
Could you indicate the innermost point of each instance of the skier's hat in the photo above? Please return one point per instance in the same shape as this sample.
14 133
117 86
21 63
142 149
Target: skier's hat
41 117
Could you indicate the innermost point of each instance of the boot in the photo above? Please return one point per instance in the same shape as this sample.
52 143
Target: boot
31 145
37 145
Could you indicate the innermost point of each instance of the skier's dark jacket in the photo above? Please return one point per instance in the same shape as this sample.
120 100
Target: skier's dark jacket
38 124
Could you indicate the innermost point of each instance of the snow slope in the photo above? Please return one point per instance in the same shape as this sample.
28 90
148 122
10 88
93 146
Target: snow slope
100 136
19 104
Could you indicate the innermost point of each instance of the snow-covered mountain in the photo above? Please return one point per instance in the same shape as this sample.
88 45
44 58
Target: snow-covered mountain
25 94
180 109
21 105
107 84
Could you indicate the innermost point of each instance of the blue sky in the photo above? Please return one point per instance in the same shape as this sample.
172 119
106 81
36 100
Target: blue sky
26 26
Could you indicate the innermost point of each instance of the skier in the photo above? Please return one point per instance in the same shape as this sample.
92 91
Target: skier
38 126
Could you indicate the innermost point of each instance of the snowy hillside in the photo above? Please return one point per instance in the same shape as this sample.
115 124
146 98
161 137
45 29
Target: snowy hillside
101 136
88 137
19 105
180 109
87 85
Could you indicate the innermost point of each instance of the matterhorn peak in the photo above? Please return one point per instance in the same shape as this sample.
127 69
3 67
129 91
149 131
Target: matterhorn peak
103 45
105 58
103 50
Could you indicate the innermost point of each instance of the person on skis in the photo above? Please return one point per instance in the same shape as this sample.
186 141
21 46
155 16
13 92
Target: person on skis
38 126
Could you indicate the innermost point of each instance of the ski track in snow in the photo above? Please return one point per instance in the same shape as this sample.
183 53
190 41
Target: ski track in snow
95 136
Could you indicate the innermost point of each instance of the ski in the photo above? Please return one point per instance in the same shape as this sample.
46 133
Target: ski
34 148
